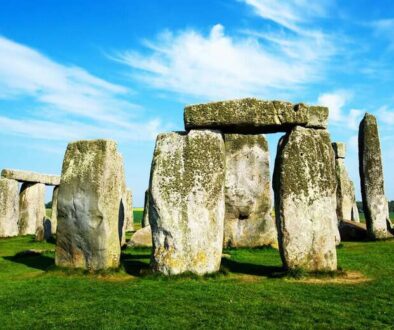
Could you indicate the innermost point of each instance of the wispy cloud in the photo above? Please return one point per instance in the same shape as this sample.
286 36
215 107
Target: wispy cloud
67 102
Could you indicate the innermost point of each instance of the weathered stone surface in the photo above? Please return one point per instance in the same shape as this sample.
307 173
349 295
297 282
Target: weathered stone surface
129 218
32 177
32 210
372 184
186 207
145 215
305 195
355 214
352 231
251 115
141 238
339 149
248 221
54 210
9 207
90 207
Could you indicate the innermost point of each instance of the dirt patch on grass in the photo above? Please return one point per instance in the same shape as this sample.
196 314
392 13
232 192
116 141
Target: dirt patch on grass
247 278
351 277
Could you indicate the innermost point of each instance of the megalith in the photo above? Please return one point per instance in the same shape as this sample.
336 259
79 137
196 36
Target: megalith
32 210
129 218
9 207
305 196
54 210
90 208
145 214
186 206
248 214
346 198
372 183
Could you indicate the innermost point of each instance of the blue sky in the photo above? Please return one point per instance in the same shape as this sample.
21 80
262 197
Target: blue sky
124 70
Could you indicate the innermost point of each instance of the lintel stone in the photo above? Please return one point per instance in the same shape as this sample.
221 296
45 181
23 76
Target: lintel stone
31 177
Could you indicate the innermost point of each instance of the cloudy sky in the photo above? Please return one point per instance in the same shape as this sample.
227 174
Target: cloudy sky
125 69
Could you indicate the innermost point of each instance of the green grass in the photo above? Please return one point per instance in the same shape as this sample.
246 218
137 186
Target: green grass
362 217
249 293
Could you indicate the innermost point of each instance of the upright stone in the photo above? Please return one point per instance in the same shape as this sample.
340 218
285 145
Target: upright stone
9 207
305 195
346 198
145 215
32 210
129 218
248 221
186 207
372 183
90 206
54 210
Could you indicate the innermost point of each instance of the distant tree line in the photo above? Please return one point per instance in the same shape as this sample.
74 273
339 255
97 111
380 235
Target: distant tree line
360 206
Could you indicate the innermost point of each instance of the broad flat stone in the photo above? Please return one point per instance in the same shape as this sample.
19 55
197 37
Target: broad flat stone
352 231
141 238
145 215
9 207
90 208
251 115
32 177
186 206
32 210
305 194
248 219
372 184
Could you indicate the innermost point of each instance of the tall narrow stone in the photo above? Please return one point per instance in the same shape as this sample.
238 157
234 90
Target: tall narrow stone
54 210
145 215
305 196
186 208
90 206
372 184
129 218
248 218
32 210
9 207
346 198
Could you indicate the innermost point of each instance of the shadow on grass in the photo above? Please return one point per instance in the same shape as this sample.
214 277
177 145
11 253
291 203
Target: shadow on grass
32 259
253 269
133 266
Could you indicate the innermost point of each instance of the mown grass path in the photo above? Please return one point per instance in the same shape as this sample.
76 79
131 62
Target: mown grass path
250 295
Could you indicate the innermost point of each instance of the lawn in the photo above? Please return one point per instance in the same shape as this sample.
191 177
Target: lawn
250 292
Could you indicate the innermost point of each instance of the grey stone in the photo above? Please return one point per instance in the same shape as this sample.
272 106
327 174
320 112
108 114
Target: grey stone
305 195
54 210
9 207
372 184
339 149
32 210
129 218
145 215
352 231
32 177
248 218
90 207
355 214
251 115
141 238
186 207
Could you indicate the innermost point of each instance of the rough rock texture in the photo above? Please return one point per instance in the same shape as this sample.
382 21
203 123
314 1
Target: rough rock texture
54 210
32 177
145 215
90 207
186 207
248 221
141 238
9 207
32 210
305 196
129 218
355 214
372 184
251 115
352 231
339 149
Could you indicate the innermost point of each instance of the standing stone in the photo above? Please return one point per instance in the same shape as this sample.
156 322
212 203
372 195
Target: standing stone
372 184
54 210
141 238
9 207
145 215
305 196
186 207
248 220
32 210
346 198
129 218
90 207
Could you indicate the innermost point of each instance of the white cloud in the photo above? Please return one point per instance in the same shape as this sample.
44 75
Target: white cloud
222 66
69 102
386 115
385 28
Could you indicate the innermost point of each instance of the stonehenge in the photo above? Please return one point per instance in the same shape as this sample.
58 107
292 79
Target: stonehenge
375 203
128 205
91 211
145 215
9 207
31 177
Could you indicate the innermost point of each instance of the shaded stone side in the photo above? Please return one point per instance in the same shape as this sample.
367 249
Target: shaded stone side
32 210
145 215
305 198
91 210
248 220
371 175
9 207
54 210
251 115
186 206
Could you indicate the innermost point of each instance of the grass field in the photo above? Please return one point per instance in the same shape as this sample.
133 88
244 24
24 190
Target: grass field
249 293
